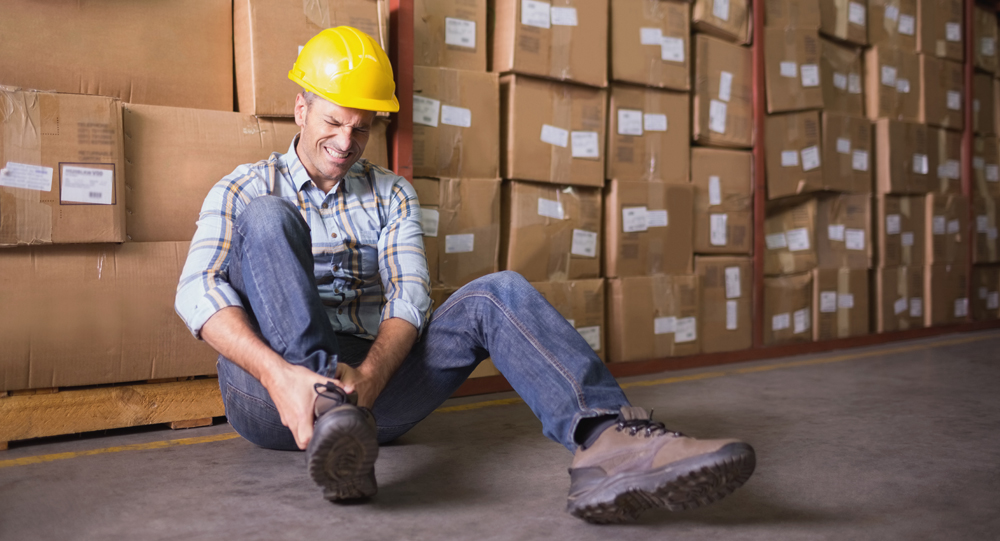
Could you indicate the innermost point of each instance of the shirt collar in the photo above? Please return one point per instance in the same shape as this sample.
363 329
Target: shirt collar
300 177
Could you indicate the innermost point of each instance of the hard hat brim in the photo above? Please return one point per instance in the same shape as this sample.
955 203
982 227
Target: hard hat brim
386 106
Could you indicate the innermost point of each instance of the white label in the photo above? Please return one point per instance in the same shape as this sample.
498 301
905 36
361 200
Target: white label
654 122
672 49
634 219
992 173
664 325
827 301
459 244
780 322
733 283
650 36
789 69
843 145
854 239
717 116
563 16
459 32
28 177
585 144
892 222
802 322
725 86
993 300
982 223
456 116
717 235
555 136
854 83
975 105
961 307
952 31
859 160
686 330
952 169
798 239
900 306
988 46
592 335
856 13
810 75
657 218
954 100
810 158
920 164
991 233
584 243
731 316
776 241
845 300
720 9
629 122
907 238
892 12
978 162
953 227
903 85
550 208
835 232
534 13
889 76
789 158
714 190
840 80
939 225
425 111
916 307
906 25
429 220
87 185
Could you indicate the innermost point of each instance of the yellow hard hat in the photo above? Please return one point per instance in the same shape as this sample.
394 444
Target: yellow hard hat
349 68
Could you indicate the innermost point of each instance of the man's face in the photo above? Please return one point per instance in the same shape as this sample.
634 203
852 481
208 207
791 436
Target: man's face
332 139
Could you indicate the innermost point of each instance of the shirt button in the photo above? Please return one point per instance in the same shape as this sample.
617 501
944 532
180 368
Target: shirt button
325 205
334 235
336 291
340 311
336 267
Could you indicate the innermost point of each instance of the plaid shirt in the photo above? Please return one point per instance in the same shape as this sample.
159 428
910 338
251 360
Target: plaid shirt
366 240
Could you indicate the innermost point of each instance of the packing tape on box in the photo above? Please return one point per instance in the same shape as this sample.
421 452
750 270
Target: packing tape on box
317 11
991 213
652 139
843 314
942 149
449 156
664 306
840 25
561 158
653 12
559 53
24 219
906 253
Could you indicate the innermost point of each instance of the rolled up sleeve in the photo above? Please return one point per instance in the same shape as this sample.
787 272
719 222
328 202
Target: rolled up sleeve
402 263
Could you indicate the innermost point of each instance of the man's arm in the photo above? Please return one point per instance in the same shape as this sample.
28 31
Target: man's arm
395 339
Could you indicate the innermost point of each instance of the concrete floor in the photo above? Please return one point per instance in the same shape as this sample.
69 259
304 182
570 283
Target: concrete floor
900 441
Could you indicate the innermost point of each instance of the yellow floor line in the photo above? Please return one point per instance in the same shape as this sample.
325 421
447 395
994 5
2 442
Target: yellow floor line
24 461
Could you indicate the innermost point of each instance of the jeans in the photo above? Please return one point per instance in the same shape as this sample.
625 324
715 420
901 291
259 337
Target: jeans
500 315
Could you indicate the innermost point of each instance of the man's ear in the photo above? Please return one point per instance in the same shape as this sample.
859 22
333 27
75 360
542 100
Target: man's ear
301 108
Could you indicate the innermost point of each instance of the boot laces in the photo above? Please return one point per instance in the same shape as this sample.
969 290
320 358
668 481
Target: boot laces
331 391
649 427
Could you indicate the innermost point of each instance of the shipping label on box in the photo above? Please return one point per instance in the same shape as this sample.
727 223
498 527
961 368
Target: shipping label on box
649 134
726 19
985 171
893 23
898 298
650 43
726 309
985 36
946 228
841 70
941 28
651 317
845 20
723 200
790 238
892 84
788 309
848 161
581 302
945 148
721 109
794 155
900 230
450 34
792 74
840 303
843 231
984 211
945 295
648 228
942 93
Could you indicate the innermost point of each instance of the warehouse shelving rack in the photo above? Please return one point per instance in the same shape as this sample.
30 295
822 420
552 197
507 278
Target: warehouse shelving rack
401 35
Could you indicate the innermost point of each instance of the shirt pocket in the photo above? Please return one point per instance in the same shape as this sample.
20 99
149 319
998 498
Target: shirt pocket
362 246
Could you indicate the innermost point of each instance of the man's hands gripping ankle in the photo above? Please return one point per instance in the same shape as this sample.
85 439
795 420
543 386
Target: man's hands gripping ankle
291 389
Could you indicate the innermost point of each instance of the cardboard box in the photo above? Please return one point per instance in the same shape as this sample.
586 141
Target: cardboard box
723 201
984 242
456 123
845 20
843 231
92 314
441 294
729 20
566 41
946 152
841 69
941 28
847 153
450 34
893 23
267 35
790 238
892 84
650 43
983 104
581 302
985 293
649 134
898 298
792 14
551 132
945 294
550 232
788 309
648 228
721 111
62 174
985 169
651 317
840 303
726 305
485 369
791 69
793 154
461 220
947 229
902 158
901 232
942 91
177 53
985 34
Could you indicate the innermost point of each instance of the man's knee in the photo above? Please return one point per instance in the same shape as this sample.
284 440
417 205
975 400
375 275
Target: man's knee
501 282
270 217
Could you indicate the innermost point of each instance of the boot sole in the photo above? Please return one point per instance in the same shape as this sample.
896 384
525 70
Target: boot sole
341 457
686 484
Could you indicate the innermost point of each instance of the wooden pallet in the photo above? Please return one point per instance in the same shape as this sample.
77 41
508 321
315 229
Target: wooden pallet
37 413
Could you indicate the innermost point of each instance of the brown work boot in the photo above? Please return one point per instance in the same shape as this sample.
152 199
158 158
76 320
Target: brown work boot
639 464
341 454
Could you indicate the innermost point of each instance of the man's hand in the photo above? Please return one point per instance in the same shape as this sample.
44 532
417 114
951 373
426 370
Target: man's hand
367 387
292 389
